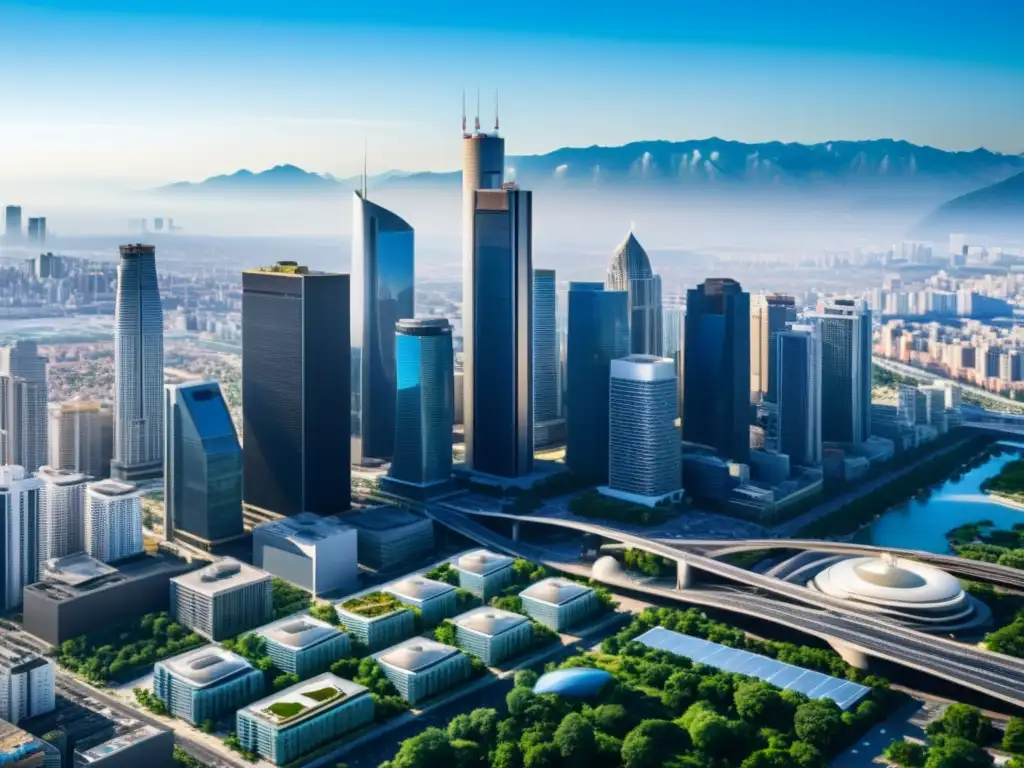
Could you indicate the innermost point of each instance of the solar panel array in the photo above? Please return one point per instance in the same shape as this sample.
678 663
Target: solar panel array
814 685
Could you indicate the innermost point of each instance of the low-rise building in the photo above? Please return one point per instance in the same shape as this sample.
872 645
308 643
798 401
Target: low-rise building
145 745
435 599
558 603
420 668
303 645
223 599
491 634
206 683
484 573
391 538
20 749
26 684
377 619
310 551
297 720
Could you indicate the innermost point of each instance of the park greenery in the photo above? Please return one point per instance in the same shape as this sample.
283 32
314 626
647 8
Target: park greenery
595 505
658 710
288 599
373 604
959 739
1009 482
648 564
125 650
183 759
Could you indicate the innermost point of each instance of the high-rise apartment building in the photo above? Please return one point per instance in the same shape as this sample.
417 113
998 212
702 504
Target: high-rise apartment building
113 520
798 394
138 367
81 437
61 513
26 690
769 316
644 457
548 424
845 327
37 230
12 224
19 530
674 337
630 271
423 414
202 467
382 285
295 390
598 334
499 357
23 438
716 388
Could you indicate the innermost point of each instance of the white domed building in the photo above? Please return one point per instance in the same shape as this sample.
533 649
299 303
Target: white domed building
915 594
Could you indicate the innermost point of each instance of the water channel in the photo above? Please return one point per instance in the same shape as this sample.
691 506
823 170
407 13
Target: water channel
923 523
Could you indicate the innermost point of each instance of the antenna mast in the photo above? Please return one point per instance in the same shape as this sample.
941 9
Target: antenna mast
463 110
496 110
476 122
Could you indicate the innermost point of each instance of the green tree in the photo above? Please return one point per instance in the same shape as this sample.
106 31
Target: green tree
652 742
445 633
507 755
1013 737
574 739
610 718
542 756
525 678
805 756
760 704
818 722
954 752
772 757
906 754
468 754
962 721
427 749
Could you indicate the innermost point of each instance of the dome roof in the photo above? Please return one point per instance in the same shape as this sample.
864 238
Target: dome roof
607 568
489 621
576 683
482 562
416 653
418 588
886 573
555 591
630 259
889 580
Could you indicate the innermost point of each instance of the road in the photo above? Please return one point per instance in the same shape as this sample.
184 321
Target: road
920 374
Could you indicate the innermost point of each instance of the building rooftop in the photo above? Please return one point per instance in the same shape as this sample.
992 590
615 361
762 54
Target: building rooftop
416 654
207 666
556 591
113 488
16 744
225 574
298 631
419 588
489 621
15 659
69 577
630 260
60 476
75 569
372 605
482 562
119 743
306 529
383 518
293 705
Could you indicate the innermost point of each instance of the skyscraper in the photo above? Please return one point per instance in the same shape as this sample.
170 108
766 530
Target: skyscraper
423 414
769 315
23 438
113 520
548 424
12 224
19 531
630 271
798 394
716 389
37 230
138 367
674 338
81 437
382 285
644 457
296 376
498 371
61 513
598 334
202 467
845 327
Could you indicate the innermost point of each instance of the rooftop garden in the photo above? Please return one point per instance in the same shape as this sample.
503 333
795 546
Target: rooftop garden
286 710
373 605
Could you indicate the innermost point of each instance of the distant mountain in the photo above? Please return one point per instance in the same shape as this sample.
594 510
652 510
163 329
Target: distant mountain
997 210
684 163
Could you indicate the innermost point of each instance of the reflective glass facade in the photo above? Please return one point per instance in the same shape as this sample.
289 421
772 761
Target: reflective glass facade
845 327
382 294
546 405
799 395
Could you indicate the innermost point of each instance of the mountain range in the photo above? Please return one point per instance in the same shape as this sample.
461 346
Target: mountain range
996 210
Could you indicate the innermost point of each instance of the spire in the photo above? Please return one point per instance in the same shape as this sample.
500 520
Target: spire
476 122
496 123
463 110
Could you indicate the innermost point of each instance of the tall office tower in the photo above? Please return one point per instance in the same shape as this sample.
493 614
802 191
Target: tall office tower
498 369
202 467
113 520
769 316
483 168
23 440
716 387
61 513
798 394
19 530
548 424
12 224
644 460
674 338
138 367
37 230
845 327
296 377
423 413
26 690
382 285
598 334
630 271
80 437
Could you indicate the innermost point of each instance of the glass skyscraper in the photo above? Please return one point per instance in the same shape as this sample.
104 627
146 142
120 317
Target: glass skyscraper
382 294
138 367
202 467
23 409
769 316
845 327
423 411
630 271
598 334
295 390
547 402
798 393
716 371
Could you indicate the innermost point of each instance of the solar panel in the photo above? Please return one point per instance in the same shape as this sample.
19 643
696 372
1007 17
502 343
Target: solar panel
812 684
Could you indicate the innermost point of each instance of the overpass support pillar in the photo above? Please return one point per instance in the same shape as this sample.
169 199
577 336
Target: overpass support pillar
851 656
684 577
515 531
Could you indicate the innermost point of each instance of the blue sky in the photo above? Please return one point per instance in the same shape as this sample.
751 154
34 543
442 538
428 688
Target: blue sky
156 90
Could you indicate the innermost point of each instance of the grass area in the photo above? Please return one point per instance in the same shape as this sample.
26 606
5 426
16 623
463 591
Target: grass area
288 599
373 605
285 710
1009 482
321 695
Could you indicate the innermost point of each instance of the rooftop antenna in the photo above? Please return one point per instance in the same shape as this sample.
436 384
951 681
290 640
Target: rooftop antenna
496 110
632 227
463 110
476 122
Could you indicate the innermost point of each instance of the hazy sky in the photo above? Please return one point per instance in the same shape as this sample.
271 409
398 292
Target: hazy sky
190 88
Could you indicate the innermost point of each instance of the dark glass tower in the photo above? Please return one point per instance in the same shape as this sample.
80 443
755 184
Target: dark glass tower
296 377
202 467
598 334
716 371
845 327
798 377
382 294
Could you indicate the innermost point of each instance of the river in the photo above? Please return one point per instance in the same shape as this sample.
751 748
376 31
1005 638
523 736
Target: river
922 524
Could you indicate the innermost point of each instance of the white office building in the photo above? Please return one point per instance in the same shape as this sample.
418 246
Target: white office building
113 520
420 668
312 552
61 512
19 526
26 685
223 599
206 683
303 645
